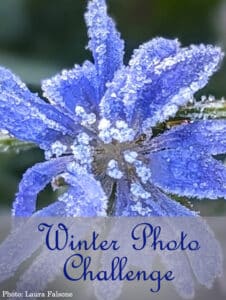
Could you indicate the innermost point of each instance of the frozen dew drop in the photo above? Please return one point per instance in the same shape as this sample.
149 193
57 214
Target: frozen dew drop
113 170
211 98
203 98
79 111
104 124
142 211
57 149
139 192
86 119
83 138
130 156
113 95
90 119
143 172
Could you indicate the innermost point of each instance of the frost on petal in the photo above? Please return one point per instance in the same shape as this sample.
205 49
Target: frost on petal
85 196
123 93
158 82
48 265
206 265
158 205
28 117
188 173
206 135
175 80
135 200
57 209
105 42
75 87
44 270
34 180
177 260
12 256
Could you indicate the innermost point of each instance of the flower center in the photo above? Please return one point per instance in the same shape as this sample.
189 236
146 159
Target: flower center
118 159
107 152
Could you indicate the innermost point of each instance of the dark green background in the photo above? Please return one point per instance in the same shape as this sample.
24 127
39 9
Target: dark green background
40 37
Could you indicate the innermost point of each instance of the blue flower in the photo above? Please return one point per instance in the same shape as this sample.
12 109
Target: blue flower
96 130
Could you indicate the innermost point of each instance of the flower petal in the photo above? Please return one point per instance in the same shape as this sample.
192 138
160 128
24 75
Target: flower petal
34 180
10 256
207 263
175 80
105 42
161 78
48 265
188 173
124 91
73 87
83 201
157 204
177 261
28 117
57 209
208 135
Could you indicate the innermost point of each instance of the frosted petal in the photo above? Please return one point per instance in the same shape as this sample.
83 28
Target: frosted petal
188 173
175 80
10 256
34 180
122 94
160 78
178 262
75 87
206 265
129 203
35 120
206 135
105 42
83 201
49 264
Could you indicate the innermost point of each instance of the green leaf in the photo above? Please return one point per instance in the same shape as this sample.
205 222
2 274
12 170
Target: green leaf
12 145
